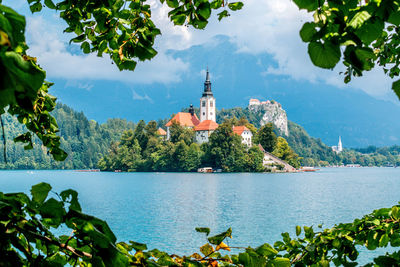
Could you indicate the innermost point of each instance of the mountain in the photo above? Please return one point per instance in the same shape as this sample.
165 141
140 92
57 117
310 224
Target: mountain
324 111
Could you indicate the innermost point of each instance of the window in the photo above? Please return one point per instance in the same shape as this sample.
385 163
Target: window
204 113
203 104
210 113
211 104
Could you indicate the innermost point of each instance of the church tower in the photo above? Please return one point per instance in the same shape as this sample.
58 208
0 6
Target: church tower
207 102
340 147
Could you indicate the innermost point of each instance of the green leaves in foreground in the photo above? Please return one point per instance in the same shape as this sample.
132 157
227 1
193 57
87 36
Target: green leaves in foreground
27 238
324 55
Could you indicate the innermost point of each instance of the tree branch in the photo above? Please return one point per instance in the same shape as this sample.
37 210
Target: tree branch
4 140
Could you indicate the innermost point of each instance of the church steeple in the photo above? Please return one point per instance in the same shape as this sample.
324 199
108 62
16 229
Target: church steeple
207 85
207 101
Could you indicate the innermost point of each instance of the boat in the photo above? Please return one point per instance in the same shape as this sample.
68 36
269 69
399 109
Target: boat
308 169
205 170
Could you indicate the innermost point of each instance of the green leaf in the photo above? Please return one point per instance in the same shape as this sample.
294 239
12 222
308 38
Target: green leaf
266 250
50 4
203 230
396 88
172 3
204 10
384 240
40 191
53 209
217 239
308 31
298 230
358 20
138 246
395 212
36 7
370 31
281 262
309 5
206 249
235 6
223 14
85 47
325 55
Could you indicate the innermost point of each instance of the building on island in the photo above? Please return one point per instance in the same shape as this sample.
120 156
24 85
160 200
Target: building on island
245 133
339 147
254 102
204 130
162 133
184 119
207 124
207 101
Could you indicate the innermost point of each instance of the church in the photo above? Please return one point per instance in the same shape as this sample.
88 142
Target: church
207 124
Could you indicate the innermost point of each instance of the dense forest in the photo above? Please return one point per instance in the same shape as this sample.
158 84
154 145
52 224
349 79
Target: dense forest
84 140
87 141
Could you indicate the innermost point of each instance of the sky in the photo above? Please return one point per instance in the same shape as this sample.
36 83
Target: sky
261 27
264 36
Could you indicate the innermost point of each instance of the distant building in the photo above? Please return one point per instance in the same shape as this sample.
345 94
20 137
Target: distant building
339 147
245 133
204 130
254 102
162 133
207 102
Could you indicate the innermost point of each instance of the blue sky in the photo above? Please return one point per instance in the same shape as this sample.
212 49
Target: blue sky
263 37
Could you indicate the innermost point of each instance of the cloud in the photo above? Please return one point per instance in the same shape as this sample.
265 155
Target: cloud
136 96
54 55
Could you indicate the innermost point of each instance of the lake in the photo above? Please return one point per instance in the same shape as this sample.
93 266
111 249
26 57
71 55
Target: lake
162 209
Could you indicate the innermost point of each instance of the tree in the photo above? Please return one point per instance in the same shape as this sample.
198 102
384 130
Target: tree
283 151
266 137
180 133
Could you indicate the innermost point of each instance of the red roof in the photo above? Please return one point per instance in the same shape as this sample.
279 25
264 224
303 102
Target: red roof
240 129
207 125
161 132
184 119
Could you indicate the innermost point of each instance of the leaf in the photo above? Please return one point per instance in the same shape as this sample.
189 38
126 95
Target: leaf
85 47
358 20
396 88
308 31
370 31
384 240
223 14
138 246
223 246
172 3
395 212
298 230
206 249
204 10
53 209
309 5
203 230
36 7
217 239
40 191
235 6
281 262
50 4
266 250
325 55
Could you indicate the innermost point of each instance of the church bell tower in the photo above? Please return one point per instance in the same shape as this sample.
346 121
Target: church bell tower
207 102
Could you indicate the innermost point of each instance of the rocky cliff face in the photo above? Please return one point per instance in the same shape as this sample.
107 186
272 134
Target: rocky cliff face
271 111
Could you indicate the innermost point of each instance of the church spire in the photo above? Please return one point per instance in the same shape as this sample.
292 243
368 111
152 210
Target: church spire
207 85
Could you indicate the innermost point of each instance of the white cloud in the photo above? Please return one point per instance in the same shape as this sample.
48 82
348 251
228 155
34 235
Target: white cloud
51 49
136 96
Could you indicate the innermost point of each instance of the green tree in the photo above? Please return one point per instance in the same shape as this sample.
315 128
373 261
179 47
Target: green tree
266 137
283 151
180 133
193 158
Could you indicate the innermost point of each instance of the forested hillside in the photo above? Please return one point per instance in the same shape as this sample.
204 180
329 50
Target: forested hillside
84 140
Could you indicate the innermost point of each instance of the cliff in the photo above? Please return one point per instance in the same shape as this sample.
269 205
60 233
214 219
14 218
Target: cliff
270 111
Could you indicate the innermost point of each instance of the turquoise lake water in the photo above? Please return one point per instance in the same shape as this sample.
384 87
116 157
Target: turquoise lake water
162 209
